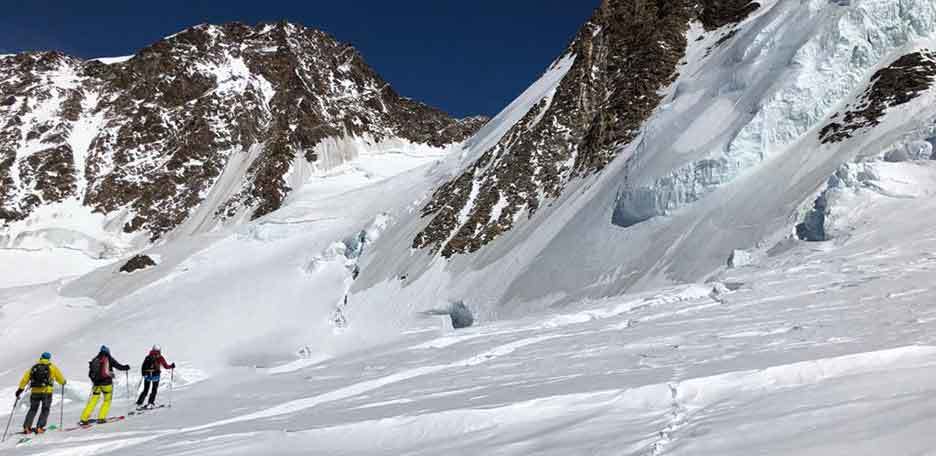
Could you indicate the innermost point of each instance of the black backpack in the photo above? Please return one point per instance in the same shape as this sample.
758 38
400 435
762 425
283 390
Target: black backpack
149 365
40 376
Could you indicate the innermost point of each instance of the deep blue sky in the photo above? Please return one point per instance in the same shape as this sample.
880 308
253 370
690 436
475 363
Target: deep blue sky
465 57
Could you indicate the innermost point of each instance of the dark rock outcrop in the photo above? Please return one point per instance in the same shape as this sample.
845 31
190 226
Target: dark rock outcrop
137 263
898 84
719 13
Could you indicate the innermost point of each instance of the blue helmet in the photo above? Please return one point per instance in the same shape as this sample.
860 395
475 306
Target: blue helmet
46 355
104 349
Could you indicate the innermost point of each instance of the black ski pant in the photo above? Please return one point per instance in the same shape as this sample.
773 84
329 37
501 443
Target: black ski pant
37 401
146 390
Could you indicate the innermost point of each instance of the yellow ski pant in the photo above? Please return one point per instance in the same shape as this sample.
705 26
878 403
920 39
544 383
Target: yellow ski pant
108 392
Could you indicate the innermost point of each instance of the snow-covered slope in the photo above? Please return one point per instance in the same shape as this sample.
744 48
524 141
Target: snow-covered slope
588 229
822 349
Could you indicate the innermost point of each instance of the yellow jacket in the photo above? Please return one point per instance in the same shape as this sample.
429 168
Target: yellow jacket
55 373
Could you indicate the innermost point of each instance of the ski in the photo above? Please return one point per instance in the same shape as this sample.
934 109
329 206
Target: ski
143 410
50 427
29 437
92 424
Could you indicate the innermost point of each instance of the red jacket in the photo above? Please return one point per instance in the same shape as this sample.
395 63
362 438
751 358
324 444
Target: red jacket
158 361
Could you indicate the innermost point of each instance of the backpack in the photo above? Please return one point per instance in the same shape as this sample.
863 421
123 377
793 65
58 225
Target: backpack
40 376
149 365
99 369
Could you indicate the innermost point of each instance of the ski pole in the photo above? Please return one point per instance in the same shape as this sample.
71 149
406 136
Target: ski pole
137 390
62 410
128 385
10 421
171 381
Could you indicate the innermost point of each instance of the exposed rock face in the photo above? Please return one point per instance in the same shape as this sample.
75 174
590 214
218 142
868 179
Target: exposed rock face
719 13
624 55
152 135
895 85
41 98
137 263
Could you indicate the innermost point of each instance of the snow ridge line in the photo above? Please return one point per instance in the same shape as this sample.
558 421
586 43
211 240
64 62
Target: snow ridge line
681 394
370 385
689 293
39 249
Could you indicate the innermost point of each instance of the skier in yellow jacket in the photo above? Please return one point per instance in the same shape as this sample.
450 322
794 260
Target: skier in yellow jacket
39 378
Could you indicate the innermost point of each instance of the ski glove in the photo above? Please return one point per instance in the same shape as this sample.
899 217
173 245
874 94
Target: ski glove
18 392
172 366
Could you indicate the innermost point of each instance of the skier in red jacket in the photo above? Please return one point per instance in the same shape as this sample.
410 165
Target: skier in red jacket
151 372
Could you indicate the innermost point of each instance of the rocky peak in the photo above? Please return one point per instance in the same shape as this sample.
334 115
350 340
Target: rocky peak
624 55
150 136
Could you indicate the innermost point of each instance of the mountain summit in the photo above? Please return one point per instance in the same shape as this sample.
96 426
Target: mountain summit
215 122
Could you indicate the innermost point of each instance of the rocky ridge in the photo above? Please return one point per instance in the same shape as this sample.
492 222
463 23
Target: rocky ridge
901 82
148 137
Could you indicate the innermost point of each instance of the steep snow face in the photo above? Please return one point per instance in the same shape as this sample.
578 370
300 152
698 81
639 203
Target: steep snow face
151 139
619 60
764 87
692 186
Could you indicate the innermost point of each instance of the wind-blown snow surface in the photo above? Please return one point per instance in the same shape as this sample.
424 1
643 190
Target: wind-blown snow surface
824 349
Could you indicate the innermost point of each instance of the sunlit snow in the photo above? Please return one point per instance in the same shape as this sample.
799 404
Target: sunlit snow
700 327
